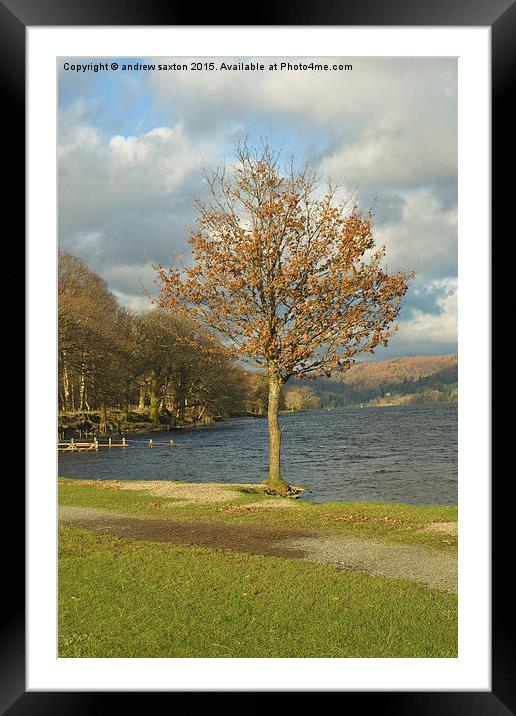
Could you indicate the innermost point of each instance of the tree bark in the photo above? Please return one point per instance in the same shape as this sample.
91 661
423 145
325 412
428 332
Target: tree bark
180 411
66 384
82 389
127 401
153 399
141 404
103 418
180 401
275 482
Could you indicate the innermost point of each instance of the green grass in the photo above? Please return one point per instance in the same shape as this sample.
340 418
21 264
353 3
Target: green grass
397 523
119 598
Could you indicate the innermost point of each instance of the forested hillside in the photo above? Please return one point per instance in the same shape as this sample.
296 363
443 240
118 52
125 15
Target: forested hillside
419 379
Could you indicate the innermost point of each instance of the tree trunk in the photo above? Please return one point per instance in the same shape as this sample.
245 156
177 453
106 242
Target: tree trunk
141 404
103 418
275 483
180 405
66 387
153 400
180 400
127 400
181 408
82 389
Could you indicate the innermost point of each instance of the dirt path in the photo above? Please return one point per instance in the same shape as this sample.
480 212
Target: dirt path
411 562
241 538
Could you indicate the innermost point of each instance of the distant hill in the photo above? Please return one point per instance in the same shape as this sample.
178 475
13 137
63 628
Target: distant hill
419 379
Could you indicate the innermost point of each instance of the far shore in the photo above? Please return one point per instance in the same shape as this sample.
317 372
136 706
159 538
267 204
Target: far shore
86 422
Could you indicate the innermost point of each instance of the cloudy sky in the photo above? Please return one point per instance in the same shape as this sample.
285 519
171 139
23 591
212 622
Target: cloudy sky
132 144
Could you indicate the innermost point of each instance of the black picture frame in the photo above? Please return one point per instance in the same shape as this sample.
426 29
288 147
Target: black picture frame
15 16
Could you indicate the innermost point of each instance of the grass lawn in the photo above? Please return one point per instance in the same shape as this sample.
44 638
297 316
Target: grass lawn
391 522
136 599
129 598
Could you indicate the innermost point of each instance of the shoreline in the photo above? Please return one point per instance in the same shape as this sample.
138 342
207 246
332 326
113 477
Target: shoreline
177 493
250 488
81 422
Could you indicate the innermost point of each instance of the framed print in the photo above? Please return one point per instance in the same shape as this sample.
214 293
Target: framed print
258 300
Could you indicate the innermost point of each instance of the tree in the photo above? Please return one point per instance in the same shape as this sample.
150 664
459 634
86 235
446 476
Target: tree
95 340
182 367
159 356
110 359
256 392
286 272
301 397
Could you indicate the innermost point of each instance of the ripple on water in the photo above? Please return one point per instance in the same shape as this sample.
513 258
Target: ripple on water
403 454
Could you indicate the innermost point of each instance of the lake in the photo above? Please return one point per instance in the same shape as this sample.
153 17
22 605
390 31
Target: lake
382 454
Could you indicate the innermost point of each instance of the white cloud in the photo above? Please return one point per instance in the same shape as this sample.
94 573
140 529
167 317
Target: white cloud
130 278
424 239
394 158
124 198
390 125
388 121
157 161
79 138
106 175
438 328
132 302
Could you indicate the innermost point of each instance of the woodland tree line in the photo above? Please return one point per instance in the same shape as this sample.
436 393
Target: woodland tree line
158 364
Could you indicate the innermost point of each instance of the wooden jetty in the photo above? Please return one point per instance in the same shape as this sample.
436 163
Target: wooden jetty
73 445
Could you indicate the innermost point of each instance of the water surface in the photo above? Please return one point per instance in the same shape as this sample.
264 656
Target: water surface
383 454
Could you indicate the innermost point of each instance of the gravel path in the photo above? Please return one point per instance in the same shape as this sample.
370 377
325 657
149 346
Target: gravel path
400 561
412 562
